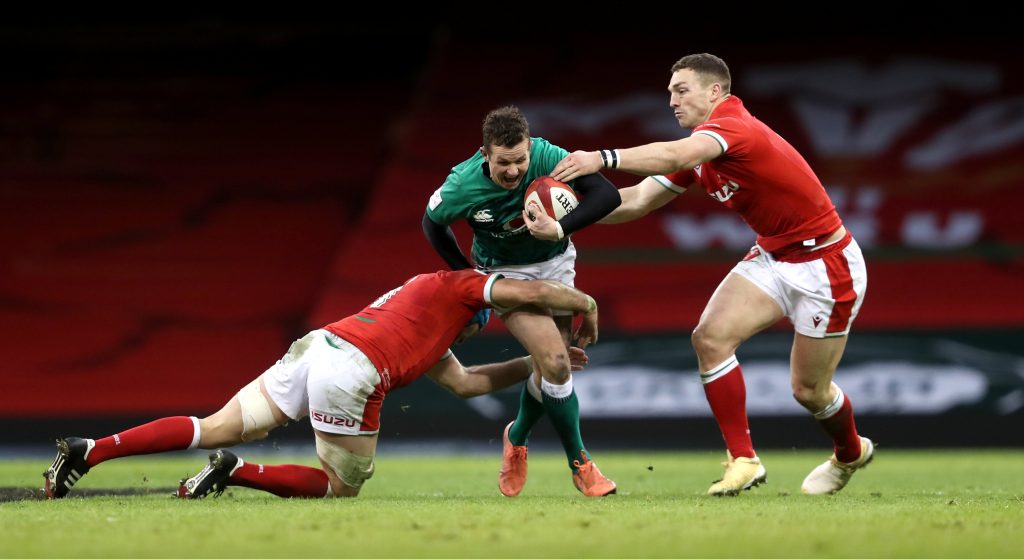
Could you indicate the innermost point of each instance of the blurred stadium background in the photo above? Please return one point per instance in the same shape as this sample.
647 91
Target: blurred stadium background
179 201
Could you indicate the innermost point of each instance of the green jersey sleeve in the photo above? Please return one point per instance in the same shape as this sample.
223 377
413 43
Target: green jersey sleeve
450 202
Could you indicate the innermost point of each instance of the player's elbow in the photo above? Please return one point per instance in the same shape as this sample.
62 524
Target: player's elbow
427 225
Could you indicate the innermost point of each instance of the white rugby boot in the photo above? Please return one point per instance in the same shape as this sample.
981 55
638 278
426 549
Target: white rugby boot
833 475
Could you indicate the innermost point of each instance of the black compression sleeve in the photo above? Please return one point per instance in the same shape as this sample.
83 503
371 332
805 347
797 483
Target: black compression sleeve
598 198
443 240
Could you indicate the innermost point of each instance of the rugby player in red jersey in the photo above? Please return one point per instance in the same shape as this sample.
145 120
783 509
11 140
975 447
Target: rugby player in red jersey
805 265
338 376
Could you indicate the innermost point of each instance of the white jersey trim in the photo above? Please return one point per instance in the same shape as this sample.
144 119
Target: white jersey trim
718 138
489 286
669 185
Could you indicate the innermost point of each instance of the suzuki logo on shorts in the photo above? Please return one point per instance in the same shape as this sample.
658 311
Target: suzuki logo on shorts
332 420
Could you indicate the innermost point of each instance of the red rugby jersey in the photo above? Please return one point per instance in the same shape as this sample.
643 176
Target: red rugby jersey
408 329
763 178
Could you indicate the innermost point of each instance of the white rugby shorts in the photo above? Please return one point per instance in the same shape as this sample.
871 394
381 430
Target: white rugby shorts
821 297
331 381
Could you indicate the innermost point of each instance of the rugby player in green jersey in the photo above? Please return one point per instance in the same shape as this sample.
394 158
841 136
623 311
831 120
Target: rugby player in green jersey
487 191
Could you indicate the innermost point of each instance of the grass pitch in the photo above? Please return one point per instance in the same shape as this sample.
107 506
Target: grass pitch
906 504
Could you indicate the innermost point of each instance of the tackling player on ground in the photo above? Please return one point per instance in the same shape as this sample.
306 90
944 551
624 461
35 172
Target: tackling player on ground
805 265
338 376
487 191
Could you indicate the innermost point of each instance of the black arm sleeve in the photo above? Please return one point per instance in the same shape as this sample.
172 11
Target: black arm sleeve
445 244
599 198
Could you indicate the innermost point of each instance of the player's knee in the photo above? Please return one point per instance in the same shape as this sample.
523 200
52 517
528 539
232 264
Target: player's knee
810 395
340 490
553 366
710 343
350 470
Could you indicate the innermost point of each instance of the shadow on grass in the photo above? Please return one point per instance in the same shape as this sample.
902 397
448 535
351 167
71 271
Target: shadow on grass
9 494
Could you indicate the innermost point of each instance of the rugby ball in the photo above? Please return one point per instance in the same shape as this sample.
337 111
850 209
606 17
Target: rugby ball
555 197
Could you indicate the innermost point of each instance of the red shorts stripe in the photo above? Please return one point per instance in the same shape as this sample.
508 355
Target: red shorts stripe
838 270
371 413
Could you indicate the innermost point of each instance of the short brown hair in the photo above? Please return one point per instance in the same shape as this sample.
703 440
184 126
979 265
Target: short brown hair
706 66
505 127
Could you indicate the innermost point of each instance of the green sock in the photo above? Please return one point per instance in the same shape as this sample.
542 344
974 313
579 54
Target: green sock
530 411
565 417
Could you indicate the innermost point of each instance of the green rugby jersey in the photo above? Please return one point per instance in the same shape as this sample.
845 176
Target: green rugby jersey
500 236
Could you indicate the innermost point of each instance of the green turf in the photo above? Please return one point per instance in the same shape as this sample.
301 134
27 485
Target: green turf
906 504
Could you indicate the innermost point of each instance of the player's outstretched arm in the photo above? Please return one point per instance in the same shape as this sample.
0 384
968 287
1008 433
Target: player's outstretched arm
467 382
661 158
445 244
474 381
658 158
510 293
639 200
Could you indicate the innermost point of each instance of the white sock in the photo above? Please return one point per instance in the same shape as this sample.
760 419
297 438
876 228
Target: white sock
723 368
556 391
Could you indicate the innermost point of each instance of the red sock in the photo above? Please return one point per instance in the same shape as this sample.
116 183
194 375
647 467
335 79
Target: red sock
727 395
841 428
162 435
288 480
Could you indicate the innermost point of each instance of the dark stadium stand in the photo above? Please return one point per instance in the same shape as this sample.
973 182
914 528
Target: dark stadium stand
174 211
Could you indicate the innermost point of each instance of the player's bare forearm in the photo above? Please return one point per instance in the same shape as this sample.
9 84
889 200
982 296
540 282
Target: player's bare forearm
560 296
661 158
484 379
630 209
479 379
639 200
658 158
467 382
553 295
510 293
